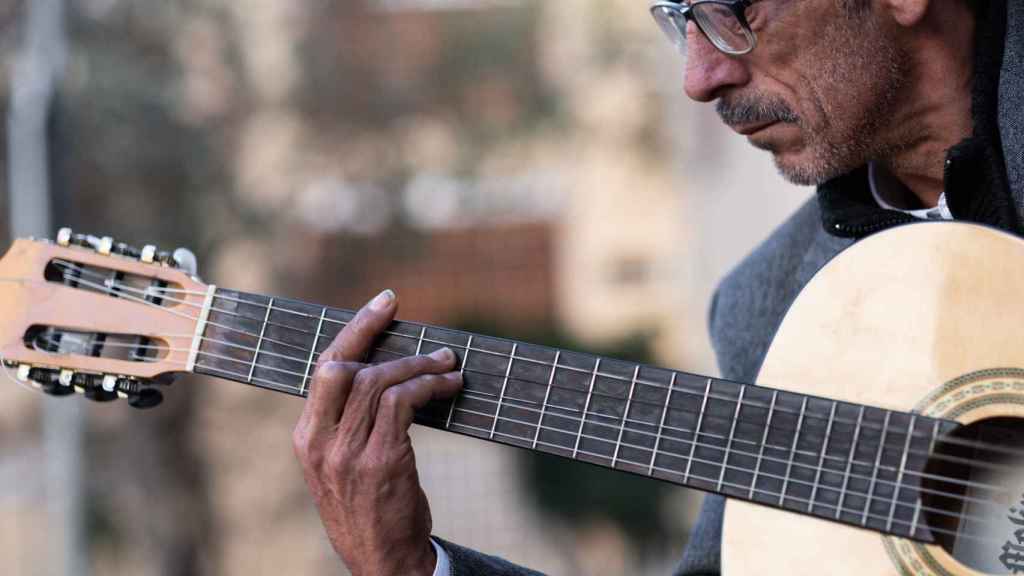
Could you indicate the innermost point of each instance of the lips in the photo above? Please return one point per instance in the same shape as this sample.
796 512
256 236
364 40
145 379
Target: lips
749 129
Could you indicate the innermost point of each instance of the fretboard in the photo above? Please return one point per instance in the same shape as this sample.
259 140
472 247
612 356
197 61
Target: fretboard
854 464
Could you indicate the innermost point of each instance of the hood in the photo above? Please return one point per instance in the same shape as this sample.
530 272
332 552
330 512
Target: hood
1011 102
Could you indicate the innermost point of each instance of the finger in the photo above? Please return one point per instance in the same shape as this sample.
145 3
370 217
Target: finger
398 405
328 394
355 339
370 383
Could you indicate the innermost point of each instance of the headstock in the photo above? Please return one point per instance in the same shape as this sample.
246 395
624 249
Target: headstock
104 319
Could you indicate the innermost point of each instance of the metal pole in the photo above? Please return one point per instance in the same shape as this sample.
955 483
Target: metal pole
38 70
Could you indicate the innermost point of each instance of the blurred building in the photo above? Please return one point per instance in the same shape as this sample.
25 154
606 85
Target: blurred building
525 162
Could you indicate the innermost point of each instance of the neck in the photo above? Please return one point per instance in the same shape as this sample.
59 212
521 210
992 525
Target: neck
937 114
810 455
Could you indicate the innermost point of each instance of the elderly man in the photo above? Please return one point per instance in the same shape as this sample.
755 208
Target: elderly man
896 109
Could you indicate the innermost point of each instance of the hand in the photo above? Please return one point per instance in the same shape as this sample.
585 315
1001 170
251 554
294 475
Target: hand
353 443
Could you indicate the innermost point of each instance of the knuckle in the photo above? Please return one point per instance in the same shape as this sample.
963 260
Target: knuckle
333 373
392 398
368 377
338 462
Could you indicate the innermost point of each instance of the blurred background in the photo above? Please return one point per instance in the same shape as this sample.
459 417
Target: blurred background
524 168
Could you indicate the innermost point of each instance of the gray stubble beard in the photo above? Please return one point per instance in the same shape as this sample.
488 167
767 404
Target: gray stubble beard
864 54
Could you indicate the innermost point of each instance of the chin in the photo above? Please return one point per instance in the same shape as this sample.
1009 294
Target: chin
803 171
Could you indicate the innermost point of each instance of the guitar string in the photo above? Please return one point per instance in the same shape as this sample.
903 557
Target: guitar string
897 487
112 288
869 426
109 287
623 421
932 456
498 416
953 441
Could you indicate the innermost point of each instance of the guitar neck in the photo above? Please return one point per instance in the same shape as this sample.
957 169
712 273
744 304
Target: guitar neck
850 463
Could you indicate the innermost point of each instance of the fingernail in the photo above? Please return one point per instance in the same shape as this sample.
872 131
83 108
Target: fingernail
443 354
383 301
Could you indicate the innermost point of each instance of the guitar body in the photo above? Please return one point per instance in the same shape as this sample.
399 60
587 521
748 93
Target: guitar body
928 317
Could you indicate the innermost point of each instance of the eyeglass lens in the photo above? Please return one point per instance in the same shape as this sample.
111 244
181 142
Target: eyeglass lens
717 20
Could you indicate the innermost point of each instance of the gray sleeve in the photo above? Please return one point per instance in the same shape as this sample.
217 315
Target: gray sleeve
467 562
703 556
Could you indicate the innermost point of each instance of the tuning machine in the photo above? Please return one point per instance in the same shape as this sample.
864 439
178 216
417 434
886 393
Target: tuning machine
139 393
181 258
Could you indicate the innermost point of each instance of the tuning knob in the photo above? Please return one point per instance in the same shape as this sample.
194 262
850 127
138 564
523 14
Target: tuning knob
146 398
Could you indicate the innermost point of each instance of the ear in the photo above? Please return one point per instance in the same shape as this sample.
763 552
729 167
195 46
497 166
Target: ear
907 13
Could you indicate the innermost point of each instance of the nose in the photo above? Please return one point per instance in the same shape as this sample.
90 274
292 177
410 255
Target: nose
709 72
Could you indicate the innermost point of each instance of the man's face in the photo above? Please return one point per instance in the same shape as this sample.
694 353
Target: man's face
817 92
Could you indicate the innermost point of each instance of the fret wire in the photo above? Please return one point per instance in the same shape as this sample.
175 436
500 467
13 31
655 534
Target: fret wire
228 373
683 430
625 416
696 431
501 395
899 473
259 342
586 408
874 472
917 502
849 460
301 391
462 371
312 351
821 460
697 477
547 394
764 443
419 342
661 425
732 435
699 460
601 374
792 452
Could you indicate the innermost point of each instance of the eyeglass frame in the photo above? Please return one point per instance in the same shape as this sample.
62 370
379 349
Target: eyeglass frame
738 8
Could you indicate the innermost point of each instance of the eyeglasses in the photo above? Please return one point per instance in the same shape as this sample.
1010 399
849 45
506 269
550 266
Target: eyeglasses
723 22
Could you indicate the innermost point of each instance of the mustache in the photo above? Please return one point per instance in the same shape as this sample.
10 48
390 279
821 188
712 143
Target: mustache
755 110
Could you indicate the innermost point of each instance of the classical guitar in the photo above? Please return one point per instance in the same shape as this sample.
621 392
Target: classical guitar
885 436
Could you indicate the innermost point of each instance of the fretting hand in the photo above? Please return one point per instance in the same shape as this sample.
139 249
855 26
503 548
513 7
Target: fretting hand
353 442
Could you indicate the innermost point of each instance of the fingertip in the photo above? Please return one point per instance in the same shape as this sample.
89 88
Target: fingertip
444 355
383 301
454 381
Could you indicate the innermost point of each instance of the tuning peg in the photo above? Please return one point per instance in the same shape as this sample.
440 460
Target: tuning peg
146 398
186 261
106 244
64 237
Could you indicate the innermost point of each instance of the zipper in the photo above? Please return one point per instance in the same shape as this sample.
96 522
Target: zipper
860 230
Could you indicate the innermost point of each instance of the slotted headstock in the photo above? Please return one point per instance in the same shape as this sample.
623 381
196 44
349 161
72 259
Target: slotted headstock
104 319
